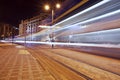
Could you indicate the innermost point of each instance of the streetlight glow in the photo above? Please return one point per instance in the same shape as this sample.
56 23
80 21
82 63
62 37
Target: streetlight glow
58 5
47 7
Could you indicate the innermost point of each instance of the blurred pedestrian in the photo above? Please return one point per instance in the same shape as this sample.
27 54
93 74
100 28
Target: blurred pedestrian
52 43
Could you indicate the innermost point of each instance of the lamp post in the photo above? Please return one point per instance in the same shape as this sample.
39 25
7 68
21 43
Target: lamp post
47 7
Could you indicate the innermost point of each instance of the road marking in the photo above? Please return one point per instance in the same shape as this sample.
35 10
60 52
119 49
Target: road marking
23 52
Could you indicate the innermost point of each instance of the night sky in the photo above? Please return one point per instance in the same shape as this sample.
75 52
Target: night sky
13 11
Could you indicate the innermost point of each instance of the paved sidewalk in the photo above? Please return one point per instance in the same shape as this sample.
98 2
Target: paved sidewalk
16 63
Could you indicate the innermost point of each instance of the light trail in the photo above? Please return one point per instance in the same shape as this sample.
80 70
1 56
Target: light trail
84 11
72 44
84 25
93 19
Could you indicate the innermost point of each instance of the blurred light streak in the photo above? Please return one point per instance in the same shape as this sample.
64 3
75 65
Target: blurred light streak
100 17
84 11
110 45
93 19
73 44
4 41
44 26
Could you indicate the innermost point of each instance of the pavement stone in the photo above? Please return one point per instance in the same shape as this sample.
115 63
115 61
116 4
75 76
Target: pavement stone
16 63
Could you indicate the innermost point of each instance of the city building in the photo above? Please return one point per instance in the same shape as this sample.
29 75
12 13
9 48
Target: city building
29 26
7 31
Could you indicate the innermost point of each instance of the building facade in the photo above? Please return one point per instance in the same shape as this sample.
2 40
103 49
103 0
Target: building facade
7 31
31 25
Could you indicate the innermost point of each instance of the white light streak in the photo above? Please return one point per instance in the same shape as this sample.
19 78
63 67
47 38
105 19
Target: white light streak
100 17
4 41
74 44
93 19
43 26
84 11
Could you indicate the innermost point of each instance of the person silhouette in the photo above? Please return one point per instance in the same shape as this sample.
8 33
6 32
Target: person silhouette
52 43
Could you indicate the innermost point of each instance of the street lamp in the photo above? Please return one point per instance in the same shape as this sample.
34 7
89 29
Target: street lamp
58 5
47 7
